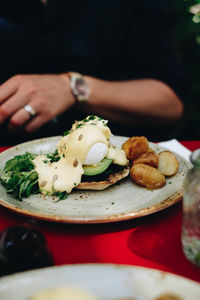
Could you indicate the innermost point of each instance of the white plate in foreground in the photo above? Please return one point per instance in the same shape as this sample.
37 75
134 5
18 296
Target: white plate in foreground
122 201
105 281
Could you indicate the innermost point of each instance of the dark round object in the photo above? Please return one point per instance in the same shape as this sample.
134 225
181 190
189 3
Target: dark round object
23 248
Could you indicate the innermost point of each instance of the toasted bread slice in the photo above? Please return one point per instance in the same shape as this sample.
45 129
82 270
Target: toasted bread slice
101 185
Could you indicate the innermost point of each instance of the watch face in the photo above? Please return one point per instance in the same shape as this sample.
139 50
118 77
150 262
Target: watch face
81 89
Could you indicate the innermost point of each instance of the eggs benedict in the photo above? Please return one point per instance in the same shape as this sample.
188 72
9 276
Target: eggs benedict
85 159
64 293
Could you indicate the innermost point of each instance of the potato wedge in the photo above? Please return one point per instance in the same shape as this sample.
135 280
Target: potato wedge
168 164
147 176
148 158
135 146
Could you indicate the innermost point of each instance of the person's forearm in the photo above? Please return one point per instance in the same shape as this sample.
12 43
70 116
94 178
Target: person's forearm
147 97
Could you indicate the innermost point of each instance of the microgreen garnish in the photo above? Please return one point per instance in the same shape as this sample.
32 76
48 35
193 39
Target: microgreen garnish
92 117
53 157
79 126
66 132
45 161
62 195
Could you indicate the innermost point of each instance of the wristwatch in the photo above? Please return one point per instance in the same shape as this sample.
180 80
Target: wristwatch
79 87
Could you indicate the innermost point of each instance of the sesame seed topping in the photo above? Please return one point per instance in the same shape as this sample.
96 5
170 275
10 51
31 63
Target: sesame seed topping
43 183
75 163
55 177
80 137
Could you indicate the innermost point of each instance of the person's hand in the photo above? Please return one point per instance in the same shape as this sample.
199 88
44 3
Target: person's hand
47 95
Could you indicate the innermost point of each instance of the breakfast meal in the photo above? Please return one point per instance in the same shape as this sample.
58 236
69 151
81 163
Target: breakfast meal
76 293
85 158
168 296
64 293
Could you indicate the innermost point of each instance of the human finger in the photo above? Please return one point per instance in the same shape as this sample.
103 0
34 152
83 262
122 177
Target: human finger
12 105
35 123
8 88
20 118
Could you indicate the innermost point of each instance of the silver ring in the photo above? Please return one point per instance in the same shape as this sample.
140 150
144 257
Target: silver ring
30 110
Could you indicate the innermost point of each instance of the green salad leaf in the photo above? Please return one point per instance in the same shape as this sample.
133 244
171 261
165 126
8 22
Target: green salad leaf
19 176
20 163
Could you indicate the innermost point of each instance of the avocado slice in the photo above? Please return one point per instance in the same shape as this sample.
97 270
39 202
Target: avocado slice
91 170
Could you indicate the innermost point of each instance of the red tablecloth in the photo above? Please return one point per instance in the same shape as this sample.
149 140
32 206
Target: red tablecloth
153 241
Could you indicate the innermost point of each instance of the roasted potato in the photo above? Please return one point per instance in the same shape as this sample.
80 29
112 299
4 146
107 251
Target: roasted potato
168 164
148 158
135 146
147 176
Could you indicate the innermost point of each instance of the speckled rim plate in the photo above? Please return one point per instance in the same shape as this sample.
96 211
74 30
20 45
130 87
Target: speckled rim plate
104 281
122 201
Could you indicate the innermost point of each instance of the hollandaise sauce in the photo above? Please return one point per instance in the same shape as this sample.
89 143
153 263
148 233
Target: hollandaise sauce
66 173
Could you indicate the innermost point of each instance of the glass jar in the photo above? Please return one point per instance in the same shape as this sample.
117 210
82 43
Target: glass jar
191 211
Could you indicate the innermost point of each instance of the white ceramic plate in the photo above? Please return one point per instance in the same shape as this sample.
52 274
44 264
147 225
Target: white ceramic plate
122 201
105 281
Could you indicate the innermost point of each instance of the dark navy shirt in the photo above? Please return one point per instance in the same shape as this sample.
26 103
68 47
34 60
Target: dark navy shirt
108 39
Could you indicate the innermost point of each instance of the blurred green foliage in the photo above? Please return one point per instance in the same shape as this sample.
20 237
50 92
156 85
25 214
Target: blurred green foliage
188 44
